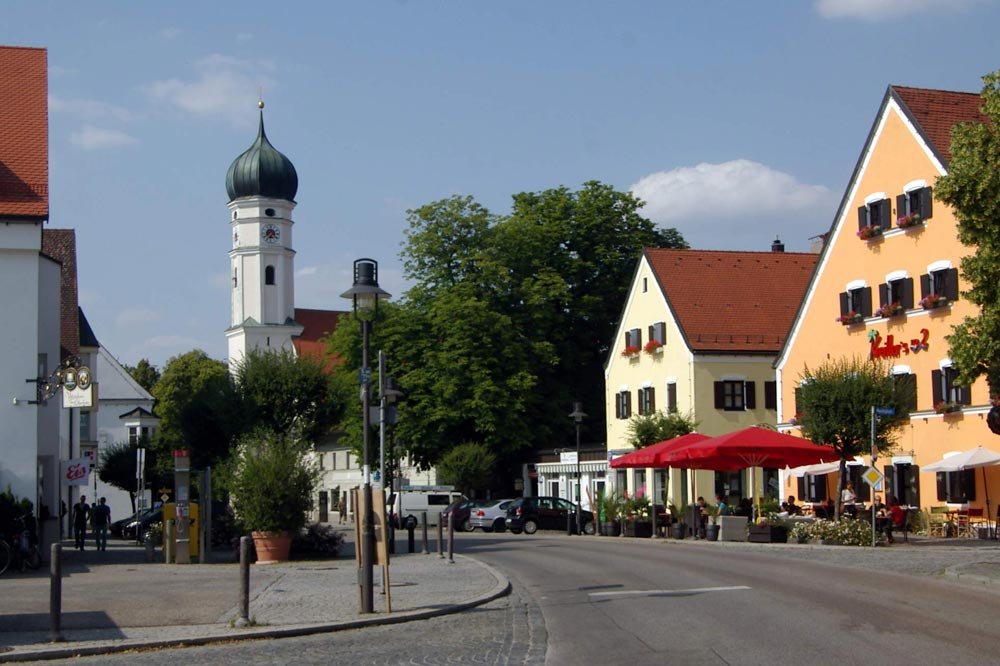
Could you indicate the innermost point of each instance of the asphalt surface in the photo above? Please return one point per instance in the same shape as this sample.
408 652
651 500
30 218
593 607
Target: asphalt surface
114 601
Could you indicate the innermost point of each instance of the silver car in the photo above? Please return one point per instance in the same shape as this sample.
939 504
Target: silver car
489 515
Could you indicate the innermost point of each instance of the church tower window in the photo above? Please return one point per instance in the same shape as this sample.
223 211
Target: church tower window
269 275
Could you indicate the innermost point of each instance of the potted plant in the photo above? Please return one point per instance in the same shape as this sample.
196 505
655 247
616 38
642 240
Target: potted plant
637 518
630 351
610 508
947 407
893 309
678 524
850 318
652 346
909 220
271 487
869 232
712 530
931 301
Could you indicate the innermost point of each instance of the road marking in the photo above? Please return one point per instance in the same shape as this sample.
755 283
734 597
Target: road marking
665 593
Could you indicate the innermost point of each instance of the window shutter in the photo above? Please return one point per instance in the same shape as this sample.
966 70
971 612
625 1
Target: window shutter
844 307
651 407
770 395
720 396
900 206
908 386
936 384
618 405
969 484
638 338
965 395
749 395
926 197
819 493
906 299
802 488
866 302
798 400
884 213
951 284
650 332
942 486
890 480
862 217
640 403
661 332
883 294
925 285
671 397
627 411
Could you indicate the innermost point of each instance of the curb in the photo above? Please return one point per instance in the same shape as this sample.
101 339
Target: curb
501 588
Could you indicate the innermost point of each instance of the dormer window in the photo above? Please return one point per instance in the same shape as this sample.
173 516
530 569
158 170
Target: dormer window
269 275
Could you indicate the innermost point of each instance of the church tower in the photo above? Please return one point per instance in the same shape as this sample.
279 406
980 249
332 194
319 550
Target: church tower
261 184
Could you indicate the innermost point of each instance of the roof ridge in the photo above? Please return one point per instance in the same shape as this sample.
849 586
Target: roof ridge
699 251
940 90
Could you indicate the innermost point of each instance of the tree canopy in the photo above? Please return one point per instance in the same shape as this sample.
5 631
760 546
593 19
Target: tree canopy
144 373
657 427
468 466
972 188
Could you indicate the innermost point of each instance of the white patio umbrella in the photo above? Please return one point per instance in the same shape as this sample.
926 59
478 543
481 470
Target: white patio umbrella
977 457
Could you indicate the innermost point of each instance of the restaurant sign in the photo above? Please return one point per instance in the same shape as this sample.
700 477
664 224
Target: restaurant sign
889 348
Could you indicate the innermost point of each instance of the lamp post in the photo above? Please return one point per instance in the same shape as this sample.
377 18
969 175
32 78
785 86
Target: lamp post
365 294
578 415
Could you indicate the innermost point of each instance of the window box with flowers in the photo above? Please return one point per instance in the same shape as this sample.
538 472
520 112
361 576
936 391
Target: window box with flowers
931 301
850 318
909 220
653 346
888 310
630 351
870 232
947 407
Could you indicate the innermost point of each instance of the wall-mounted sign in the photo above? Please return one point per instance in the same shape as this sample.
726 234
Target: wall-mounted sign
78 388
889 348
75 472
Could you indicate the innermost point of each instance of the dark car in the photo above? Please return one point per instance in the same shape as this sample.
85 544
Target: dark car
529 514
136 529
462 508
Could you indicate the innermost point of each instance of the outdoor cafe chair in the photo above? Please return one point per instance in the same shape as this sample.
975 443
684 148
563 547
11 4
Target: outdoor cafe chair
937 521
968 519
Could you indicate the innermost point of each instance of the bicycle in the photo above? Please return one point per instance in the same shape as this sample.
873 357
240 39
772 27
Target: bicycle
21 550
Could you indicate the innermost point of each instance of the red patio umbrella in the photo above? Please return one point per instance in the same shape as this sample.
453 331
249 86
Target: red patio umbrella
653 455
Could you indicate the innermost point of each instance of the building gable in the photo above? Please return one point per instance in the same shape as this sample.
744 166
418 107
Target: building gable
24 133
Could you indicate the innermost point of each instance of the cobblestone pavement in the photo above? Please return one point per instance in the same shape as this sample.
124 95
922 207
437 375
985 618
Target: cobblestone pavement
509 630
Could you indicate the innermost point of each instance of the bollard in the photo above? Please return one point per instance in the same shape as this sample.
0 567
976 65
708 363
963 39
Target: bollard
243 619
168 544
55 593
426 550
569 523
392 537
411 526
441 535
451 537
150 551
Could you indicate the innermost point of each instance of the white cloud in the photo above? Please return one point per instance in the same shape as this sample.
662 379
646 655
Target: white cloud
732 189
307 270
89 109
95 138
137 317
223 86
877 10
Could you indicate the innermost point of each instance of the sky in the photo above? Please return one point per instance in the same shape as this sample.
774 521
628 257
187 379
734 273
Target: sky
736 122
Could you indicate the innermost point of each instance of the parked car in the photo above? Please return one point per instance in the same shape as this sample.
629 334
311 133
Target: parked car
462 508
117 528
137 529
489 516
529 514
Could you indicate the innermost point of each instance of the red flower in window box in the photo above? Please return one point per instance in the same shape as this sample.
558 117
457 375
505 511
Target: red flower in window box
630 350
909 220
850 318
869 232
890 310
652 346
931 301
944 407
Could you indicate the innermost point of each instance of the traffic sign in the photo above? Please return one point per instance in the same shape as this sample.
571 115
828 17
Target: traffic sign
885 411
873 478
364 376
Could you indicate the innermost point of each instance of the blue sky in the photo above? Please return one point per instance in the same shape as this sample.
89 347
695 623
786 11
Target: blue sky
735 121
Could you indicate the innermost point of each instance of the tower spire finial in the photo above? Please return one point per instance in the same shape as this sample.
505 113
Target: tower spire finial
260 97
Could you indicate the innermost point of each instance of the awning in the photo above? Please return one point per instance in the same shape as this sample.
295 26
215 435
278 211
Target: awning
570 468
820 469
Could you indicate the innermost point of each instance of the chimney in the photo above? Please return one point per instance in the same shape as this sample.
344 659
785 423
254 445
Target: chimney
777 245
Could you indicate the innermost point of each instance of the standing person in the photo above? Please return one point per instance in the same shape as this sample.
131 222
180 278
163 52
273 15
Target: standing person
81 512
847 499
343 508
100 518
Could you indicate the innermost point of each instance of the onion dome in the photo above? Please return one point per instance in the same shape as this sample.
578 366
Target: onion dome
262 171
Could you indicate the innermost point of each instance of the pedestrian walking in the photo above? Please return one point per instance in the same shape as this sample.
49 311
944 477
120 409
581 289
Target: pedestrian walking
100 518
81 512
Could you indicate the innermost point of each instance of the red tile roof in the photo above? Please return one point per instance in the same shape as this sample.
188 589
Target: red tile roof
24 132
936 111
733 301
317 324
60 244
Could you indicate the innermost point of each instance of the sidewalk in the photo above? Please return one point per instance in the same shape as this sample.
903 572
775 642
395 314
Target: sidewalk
114 601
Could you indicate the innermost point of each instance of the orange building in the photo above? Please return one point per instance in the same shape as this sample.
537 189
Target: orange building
888 285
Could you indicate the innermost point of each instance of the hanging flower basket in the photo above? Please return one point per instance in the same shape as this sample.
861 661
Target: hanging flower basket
653 346
909 221
869 232
630 351
893 309
932 301
850 318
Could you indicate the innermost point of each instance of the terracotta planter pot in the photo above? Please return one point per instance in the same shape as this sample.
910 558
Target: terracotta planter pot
272 547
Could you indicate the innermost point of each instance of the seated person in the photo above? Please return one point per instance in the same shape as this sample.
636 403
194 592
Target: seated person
791 507
745 508
896 519
723 507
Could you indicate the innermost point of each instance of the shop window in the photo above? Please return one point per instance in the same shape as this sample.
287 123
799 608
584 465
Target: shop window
957 487
647 402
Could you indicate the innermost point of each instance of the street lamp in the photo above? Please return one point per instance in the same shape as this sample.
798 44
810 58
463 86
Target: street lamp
578 415
365 294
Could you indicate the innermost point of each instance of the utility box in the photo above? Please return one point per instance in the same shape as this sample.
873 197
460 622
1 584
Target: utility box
170 513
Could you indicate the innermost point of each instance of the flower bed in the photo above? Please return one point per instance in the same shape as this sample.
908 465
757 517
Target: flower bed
845 532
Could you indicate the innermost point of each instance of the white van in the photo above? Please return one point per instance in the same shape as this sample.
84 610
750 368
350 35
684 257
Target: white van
419 500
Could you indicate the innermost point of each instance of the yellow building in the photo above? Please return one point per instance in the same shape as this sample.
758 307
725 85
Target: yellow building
699 334
888 285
